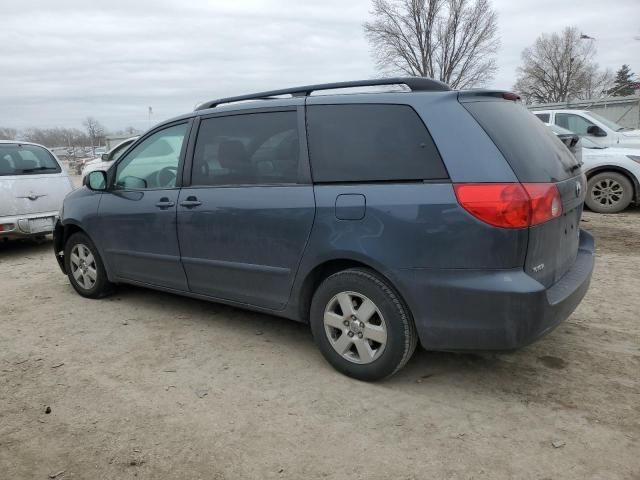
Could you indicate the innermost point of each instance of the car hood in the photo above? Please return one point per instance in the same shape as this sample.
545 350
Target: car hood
98 165
93 161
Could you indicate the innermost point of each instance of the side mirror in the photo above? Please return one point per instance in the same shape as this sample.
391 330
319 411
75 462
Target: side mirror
596 131
104 157
96 180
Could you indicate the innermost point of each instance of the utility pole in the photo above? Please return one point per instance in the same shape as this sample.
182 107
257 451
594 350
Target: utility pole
150 112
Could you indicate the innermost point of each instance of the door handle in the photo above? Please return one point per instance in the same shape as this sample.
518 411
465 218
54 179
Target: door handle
165 203
190 202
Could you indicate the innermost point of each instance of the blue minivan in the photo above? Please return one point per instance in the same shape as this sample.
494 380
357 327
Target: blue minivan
411 213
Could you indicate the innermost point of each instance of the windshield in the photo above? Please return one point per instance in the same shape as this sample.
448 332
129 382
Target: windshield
610 124
17 159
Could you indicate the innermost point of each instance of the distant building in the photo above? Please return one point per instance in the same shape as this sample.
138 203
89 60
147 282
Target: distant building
625 111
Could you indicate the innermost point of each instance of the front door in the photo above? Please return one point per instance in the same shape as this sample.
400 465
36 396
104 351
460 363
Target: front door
580 126
246 217
137 216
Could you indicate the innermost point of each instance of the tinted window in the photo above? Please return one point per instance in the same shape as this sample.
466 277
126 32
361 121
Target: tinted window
534 152
575 123
544 117
370 142
154 162
256 148
16 159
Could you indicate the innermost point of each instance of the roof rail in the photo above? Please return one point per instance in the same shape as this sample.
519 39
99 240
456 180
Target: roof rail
416 84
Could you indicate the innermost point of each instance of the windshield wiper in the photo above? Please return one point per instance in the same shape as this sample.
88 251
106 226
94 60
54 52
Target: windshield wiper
38 169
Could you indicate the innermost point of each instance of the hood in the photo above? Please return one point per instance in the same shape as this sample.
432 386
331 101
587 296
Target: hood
93 161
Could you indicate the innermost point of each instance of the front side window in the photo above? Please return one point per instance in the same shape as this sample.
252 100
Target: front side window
361 143
575 123
248 149
17 159
154 162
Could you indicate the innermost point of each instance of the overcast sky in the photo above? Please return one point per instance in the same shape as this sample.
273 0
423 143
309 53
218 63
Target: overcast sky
62 60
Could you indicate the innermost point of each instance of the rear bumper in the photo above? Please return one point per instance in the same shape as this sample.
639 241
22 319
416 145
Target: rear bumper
19 226
492 310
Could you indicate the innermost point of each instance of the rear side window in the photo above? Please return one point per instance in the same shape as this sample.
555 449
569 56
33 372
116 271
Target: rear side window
544 117
254 148
531 148
16 159
359 143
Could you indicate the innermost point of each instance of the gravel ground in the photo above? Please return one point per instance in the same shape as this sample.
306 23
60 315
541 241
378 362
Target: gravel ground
148 385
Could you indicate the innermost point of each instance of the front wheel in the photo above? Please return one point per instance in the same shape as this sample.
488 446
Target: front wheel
85 268
609 192
361 325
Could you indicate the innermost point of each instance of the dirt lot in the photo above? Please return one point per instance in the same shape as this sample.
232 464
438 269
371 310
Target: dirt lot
149 385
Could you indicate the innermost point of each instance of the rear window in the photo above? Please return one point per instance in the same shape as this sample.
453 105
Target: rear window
360 143
16 159
531 148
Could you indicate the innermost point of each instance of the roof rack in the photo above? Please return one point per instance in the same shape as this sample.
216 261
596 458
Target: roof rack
416 84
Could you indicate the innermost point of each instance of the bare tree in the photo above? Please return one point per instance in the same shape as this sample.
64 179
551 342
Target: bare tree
95 131
560 67
454 41
8 133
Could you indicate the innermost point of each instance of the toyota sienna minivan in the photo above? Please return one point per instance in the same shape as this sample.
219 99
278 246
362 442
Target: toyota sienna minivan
383 219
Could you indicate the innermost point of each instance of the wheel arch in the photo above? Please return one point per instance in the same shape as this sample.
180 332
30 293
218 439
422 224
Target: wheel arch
61 238
325 269
621 170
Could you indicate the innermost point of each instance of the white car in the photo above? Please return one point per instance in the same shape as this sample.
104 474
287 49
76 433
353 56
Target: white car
33 185
600 130
613 176
106 159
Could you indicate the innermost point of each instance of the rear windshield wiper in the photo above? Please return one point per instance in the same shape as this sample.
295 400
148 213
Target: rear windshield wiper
38 169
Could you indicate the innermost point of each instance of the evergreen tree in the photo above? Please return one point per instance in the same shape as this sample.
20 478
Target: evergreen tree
623 84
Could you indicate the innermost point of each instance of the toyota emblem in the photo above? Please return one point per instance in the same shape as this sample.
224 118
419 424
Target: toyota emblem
578 189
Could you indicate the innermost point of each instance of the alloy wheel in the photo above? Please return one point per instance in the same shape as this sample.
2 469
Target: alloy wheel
83 266
355 327
607 192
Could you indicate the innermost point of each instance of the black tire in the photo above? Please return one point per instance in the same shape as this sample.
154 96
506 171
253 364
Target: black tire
101 286
609 192
401 336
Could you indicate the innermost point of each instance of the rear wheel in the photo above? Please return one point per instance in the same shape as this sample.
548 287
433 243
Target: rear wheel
84 267
361 325
609 192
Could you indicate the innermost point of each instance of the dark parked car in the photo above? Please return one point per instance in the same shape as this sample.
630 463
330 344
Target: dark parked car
449 218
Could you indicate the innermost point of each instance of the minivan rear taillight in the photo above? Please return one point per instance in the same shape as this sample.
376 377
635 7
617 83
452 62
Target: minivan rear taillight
510 205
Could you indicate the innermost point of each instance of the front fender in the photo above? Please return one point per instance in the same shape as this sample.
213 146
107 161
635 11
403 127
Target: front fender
58 245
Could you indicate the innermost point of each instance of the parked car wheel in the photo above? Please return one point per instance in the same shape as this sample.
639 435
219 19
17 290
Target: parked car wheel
361 325
609 192
85 268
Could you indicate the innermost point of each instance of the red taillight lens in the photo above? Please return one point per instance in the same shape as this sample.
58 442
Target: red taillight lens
545 202
510 205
